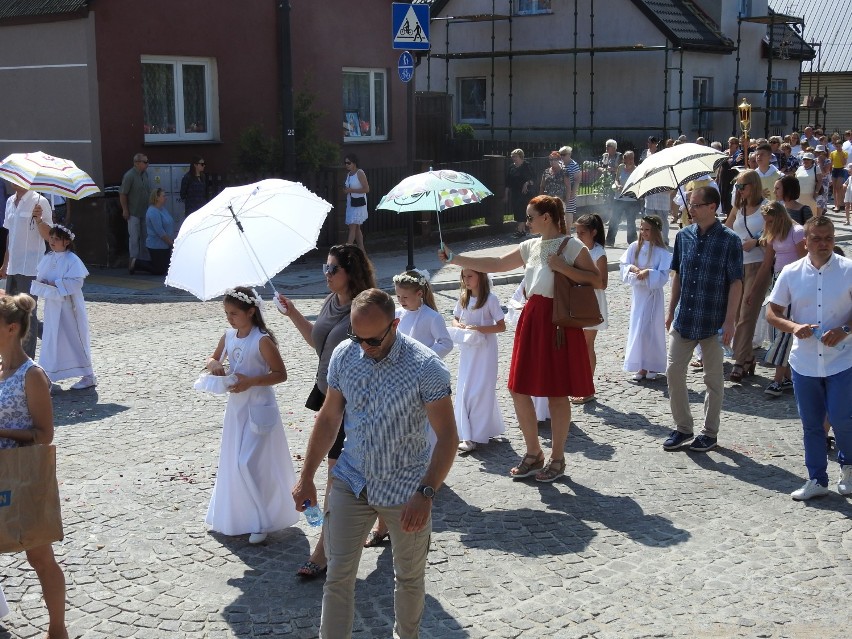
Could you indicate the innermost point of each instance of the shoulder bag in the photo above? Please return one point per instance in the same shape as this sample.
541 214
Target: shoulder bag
574 305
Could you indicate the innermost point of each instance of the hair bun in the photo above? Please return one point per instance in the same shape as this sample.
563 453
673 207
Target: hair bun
24 302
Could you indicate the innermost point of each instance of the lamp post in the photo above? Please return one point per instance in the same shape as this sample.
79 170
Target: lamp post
745 124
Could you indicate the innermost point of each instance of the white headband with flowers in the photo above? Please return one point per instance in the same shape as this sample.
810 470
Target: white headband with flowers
65 229
257 300
422 278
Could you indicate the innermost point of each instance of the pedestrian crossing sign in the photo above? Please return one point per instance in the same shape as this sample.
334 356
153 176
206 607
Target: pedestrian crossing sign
410 26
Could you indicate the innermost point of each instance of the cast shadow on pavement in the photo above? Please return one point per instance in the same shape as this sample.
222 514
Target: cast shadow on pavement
75 407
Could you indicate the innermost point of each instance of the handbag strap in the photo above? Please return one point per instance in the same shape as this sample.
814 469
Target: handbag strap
562 246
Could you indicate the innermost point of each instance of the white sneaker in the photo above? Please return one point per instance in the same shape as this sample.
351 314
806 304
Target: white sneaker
810 489
638 377
651 375
256 538
466 446
844 484
85 382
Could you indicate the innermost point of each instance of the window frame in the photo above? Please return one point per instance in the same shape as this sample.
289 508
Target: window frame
702 120
366 139
210 99
777 102
459 93
535 10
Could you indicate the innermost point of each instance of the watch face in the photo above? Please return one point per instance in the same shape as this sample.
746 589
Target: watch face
427 491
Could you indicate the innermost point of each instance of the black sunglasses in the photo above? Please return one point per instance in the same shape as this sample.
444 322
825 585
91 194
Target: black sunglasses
369 341
201 163
330 269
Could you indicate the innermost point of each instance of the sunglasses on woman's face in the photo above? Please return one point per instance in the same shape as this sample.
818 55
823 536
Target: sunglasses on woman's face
739 187
330 269
369 341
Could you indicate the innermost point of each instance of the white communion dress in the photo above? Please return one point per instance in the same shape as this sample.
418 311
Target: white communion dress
65 347
255 476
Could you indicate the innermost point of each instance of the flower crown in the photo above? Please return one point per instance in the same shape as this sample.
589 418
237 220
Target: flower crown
422 278
65 230
254 301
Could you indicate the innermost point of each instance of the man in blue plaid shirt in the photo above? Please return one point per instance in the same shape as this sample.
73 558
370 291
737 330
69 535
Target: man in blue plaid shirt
706 291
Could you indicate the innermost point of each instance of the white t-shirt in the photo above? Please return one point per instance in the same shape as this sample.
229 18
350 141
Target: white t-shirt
754 224
538 277
25 244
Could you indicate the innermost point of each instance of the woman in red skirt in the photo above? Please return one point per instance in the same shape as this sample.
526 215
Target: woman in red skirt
539 367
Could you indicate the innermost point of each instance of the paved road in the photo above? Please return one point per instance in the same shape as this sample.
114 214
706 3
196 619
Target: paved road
635 542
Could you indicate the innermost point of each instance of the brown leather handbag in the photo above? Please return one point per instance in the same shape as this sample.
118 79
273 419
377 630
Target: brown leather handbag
574 305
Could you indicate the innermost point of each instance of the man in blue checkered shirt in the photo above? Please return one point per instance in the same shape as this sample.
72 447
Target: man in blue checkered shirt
706 291
384 386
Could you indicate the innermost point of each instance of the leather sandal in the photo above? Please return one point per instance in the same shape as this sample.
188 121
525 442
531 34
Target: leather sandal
310 570
376 538
555 468
529 466
736 374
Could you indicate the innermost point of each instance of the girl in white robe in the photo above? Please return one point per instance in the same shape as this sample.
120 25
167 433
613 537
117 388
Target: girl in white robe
255 475
65 347
478 416
645 267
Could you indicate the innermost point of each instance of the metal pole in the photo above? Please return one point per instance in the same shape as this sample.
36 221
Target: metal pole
409 145
768 101
737 74
288 126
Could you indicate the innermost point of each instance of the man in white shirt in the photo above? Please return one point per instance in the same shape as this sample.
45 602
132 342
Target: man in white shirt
768 172
28 219
818 291
847 145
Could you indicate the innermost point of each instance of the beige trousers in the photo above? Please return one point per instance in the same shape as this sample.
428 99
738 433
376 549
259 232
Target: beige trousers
347 521
680 352
747 316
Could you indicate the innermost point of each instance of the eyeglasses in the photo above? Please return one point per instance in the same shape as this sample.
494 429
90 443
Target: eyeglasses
691 206
347 162
564 155
530 218
330 269
142 161
369 341
740 187
201 163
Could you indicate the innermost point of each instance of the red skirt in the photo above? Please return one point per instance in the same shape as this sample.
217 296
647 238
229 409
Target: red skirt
538 367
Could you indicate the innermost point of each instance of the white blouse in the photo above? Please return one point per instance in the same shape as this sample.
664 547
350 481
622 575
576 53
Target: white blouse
426 326
538 276
755 229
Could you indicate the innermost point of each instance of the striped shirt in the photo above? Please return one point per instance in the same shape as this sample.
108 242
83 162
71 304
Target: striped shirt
707 264
387 451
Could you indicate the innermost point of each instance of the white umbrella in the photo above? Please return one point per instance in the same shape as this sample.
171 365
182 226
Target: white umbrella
670 168
434 191
244 234
47 174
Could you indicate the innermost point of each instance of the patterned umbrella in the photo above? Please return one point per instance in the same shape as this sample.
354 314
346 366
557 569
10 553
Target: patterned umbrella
47 174
434 191
670 168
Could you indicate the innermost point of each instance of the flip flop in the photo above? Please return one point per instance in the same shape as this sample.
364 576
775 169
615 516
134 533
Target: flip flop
310 570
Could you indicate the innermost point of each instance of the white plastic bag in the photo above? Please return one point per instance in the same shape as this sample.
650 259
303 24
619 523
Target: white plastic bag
215 384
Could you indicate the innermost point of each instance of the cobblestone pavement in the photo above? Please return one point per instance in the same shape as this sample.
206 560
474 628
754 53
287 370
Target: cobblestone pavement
636 542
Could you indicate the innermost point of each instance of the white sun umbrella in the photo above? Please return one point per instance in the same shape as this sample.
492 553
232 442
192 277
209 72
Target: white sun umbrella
434 191
670 168
245 235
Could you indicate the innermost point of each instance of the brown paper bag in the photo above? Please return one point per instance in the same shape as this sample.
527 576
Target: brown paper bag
30 515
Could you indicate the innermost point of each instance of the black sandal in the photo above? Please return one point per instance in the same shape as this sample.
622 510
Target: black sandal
375 538
310 570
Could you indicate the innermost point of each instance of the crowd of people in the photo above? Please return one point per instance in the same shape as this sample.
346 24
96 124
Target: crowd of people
385 420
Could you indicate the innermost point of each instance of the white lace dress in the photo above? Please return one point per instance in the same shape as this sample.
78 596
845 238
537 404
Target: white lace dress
255 476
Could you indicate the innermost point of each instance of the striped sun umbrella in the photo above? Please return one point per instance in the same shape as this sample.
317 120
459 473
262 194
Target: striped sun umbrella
47 174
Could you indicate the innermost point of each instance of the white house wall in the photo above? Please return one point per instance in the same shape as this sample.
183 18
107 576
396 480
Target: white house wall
628 86
49 68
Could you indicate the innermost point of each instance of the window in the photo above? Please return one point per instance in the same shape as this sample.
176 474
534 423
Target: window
744 8
531 7
472 100
365 105
178 99
702 95
777 102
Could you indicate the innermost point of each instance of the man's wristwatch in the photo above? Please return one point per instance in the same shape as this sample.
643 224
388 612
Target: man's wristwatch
426 491
845 328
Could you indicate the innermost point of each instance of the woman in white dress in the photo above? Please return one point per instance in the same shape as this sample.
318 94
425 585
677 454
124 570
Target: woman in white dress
65 348
255 475
478 417
645 268
356 188
810 181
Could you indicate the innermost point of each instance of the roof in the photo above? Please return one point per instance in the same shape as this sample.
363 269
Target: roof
685 25
36 8
825 23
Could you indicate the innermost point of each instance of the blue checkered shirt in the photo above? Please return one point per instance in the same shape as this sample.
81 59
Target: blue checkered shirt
386 450
707 264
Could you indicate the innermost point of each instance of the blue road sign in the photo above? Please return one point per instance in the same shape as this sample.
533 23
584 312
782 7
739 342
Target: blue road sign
405 68
410 26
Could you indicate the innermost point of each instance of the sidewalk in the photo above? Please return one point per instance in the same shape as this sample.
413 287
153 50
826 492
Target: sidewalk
306 279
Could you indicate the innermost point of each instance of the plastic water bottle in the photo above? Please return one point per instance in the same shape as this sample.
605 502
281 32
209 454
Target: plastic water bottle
725 348
818 333
313 514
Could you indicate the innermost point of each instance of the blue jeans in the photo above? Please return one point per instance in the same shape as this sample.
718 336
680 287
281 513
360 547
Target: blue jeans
816 398
626 210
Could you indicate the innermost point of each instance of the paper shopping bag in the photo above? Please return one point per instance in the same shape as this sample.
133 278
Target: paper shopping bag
30 515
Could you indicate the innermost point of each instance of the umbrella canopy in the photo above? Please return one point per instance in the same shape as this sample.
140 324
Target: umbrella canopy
668 169
47 174
244 234
434 191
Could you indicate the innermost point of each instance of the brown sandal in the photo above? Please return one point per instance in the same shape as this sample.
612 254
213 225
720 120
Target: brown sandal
527 469
555 468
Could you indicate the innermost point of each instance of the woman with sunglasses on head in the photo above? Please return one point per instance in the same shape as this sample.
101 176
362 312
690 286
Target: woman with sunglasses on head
746 221
348 272
546 362
193 187
356 188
